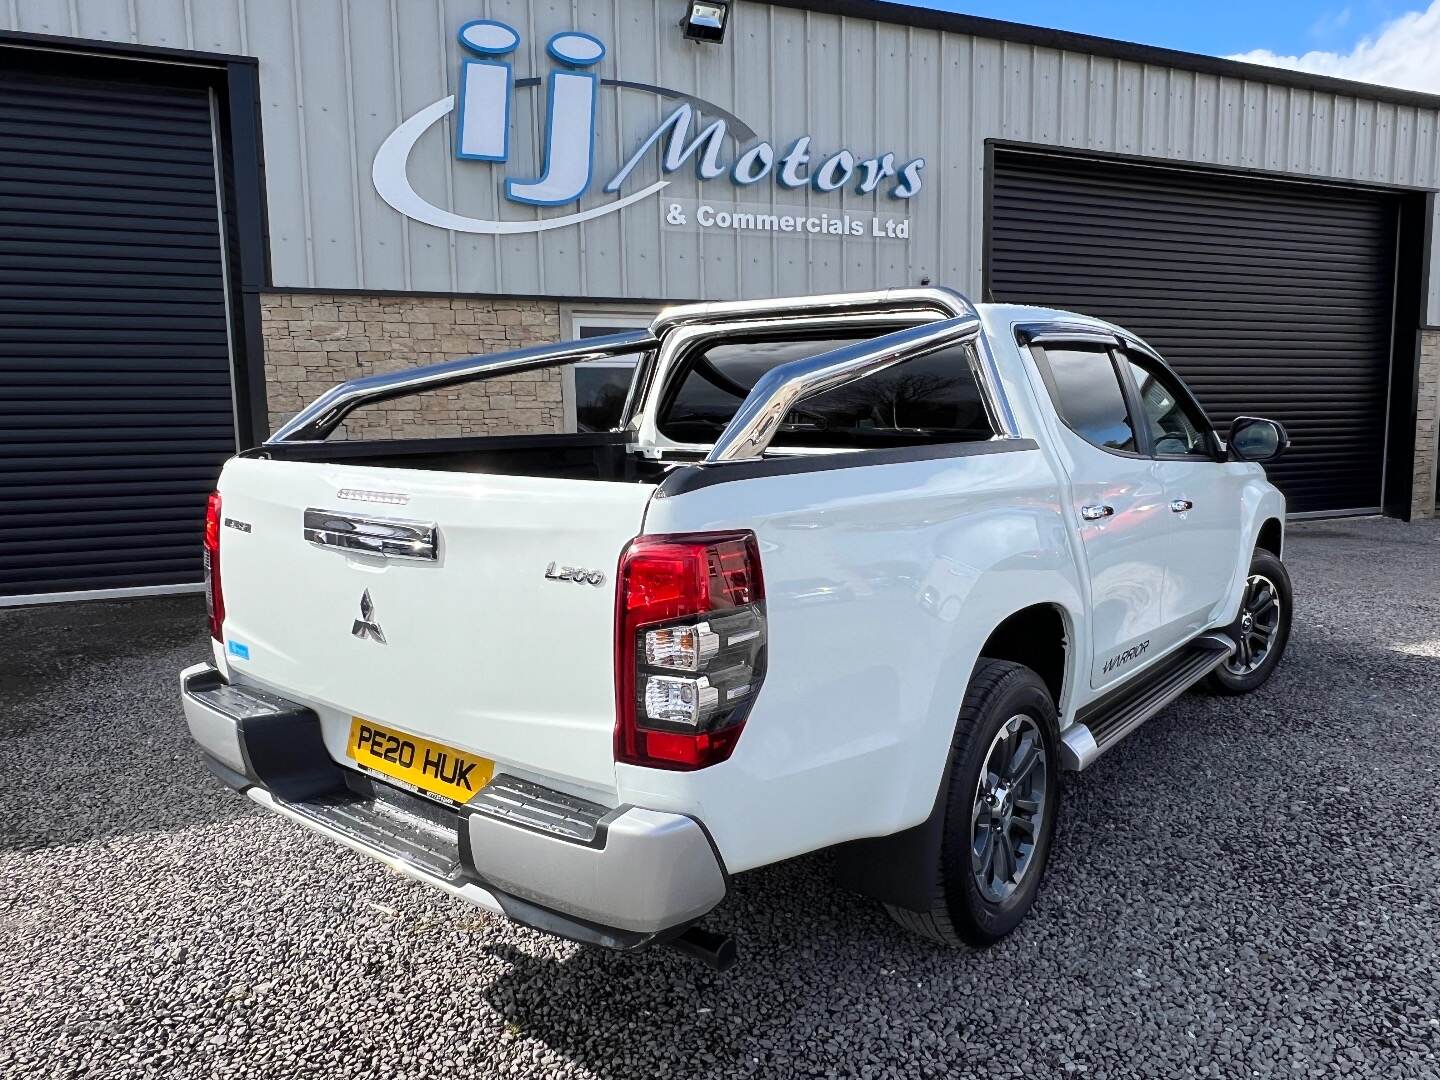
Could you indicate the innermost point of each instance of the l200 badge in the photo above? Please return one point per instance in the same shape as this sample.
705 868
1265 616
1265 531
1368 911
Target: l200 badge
577 574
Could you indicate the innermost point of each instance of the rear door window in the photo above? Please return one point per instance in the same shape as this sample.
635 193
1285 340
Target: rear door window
1088 396
928 399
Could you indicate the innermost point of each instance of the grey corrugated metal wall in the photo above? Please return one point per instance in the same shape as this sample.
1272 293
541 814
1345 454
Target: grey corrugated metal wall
338 76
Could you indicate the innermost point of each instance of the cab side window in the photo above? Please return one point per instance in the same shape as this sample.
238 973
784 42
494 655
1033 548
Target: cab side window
1087 394
1174 427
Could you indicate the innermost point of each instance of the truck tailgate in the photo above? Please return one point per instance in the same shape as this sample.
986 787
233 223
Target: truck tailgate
478 649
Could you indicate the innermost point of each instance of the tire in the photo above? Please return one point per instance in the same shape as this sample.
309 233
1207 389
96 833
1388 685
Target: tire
1007 711
1261 642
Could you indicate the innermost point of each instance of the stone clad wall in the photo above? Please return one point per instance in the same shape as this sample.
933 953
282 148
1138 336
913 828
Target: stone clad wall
1422 503
313 341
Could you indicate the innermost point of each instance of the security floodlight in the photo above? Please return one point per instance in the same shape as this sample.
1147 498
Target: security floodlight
706 21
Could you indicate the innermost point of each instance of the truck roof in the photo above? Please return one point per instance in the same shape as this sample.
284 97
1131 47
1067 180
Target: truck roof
997 314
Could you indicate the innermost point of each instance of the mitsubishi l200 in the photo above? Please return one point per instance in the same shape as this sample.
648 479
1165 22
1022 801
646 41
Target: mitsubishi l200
859 572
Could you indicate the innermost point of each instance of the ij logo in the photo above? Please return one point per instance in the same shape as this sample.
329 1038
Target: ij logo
484 118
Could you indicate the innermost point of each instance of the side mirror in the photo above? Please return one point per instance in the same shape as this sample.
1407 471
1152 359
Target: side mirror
1254 439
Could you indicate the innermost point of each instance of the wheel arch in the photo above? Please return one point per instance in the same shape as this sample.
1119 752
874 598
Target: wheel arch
1263 526
898 869
1271 536
1041 637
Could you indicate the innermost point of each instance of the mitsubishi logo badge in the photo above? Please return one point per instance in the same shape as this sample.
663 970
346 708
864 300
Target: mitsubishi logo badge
366 626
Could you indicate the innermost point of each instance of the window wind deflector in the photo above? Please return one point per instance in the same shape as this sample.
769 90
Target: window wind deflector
1065 334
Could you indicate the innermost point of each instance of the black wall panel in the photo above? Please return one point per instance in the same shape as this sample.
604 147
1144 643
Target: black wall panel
115 379
1271 298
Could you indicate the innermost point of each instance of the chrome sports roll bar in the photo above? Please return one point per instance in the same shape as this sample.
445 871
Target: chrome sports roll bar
782 388
324 414
321 416
944 302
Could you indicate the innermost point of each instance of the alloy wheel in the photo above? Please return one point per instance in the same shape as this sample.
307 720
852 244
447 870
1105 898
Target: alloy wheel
1009 812
1258 626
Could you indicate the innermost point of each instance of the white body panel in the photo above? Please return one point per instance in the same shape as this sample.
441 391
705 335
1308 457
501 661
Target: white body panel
482 651
1125 557
1201 543
883 583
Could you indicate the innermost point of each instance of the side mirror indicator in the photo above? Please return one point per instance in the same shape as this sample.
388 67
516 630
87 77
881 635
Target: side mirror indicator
1254 439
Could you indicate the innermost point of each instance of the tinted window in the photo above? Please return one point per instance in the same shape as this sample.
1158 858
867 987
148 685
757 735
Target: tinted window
600 390
928 399
1089 398
601 386
1173 430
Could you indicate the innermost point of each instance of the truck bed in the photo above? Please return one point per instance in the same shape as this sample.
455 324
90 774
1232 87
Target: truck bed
589 456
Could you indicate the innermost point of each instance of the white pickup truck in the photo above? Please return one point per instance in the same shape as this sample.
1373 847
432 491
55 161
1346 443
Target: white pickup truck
860 572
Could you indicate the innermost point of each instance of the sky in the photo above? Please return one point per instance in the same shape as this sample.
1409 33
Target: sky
1394 42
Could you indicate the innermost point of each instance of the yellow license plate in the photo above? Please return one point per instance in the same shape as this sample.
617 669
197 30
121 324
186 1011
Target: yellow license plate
419 764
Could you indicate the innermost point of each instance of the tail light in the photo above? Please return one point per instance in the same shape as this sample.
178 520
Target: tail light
689 647
214 598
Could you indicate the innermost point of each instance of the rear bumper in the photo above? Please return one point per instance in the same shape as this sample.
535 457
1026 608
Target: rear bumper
619 877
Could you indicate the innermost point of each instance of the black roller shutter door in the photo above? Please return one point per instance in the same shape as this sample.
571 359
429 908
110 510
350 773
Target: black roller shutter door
1271 298
115 395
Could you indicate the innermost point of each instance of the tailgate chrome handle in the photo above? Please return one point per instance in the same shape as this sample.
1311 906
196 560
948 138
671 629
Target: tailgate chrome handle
389 538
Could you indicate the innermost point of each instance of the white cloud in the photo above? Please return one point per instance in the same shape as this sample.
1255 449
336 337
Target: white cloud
1405 52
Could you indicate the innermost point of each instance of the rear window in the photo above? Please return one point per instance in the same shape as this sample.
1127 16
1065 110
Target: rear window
929 399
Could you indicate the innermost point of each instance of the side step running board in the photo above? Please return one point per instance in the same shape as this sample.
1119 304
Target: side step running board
1102 724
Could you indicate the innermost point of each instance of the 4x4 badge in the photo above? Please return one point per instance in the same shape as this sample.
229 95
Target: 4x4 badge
366 626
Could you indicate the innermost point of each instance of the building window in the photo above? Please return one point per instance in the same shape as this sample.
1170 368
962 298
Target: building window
598 388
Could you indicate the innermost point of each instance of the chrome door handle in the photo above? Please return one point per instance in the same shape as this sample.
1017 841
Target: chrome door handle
1179 506
1096 512
389 538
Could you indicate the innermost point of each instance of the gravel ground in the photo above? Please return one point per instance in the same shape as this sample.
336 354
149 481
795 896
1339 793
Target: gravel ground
1246 888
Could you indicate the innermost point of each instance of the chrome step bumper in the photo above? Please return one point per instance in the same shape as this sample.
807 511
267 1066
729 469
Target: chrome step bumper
637 870
459 888
619 877
395 822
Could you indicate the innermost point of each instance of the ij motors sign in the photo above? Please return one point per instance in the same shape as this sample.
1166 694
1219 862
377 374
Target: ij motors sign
696 134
